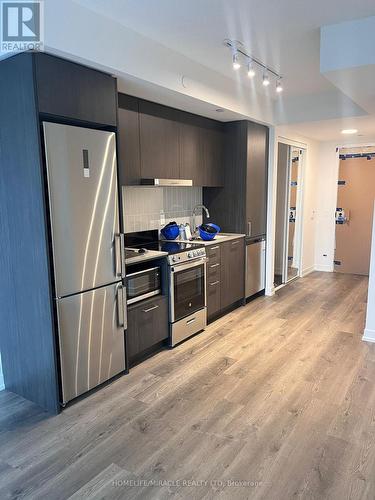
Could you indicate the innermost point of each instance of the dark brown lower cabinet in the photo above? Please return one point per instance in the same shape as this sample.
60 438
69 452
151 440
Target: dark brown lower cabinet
225 275
232 272
147 326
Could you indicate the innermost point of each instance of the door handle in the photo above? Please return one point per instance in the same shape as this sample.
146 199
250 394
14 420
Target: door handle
120 263
150 309
125 306
249 228
117 255
122 256
120 307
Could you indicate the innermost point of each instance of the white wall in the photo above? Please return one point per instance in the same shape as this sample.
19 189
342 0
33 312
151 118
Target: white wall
309 188
327 175
369 334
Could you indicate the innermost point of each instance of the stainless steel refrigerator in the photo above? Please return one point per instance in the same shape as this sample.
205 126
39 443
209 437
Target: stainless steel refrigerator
87 255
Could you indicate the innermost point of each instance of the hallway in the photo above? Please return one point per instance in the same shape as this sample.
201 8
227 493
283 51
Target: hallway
278 394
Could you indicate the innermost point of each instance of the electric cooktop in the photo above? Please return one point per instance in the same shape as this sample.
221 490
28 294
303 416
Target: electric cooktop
148 240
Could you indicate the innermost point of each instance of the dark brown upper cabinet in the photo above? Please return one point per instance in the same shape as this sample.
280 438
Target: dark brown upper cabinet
241 205
129 161
191 153
159 142
167 143
69 90
256 180
213 157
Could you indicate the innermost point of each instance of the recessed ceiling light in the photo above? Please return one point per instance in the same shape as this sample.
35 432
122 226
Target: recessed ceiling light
349 131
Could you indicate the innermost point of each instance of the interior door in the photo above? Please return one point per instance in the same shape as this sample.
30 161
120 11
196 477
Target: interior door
91 338
356 194
82 180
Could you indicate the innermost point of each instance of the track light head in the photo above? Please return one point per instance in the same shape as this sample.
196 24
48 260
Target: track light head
266 79
236 61
279 87
250 69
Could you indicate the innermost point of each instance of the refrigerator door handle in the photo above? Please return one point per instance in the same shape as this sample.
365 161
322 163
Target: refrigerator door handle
120 306
125 307
118 255
249 228
122 256
122 311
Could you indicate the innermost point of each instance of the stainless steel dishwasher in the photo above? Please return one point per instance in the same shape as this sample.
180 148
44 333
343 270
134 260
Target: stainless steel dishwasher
255 265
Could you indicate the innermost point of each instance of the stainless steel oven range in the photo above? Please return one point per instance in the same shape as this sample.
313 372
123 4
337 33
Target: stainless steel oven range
187 294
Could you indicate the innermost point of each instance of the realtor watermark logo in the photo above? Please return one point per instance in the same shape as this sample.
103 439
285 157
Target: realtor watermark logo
21 26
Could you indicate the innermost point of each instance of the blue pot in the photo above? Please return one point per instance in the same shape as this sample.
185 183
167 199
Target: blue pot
170 232
208 236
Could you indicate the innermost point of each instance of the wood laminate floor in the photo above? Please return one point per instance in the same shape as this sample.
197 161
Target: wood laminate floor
273 401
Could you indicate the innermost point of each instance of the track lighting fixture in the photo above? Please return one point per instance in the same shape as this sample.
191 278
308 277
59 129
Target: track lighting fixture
250 69
266 79
236 61
239 51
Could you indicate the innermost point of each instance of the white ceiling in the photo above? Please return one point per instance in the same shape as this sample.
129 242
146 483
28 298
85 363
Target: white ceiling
330 130
285 34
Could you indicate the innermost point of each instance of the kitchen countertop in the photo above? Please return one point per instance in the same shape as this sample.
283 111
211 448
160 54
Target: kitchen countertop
220 238
149 255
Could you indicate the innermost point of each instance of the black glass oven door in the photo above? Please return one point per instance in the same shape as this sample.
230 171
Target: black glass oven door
188 290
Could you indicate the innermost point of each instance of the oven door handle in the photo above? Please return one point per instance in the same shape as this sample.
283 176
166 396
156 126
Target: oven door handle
189 265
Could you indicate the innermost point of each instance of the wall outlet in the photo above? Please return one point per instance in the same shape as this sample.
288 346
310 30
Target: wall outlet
162 218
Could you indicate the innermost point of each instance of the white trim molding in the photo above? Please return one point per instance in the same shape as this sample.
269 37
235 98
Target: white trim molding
369 335
324 268
307 271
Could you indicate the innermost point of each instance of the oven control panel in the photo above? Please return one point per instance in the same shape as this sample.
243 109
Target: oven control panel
186 256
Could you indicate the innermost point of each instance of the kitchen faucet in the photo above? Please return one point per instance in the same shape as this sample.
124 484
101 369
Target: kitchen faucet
194 213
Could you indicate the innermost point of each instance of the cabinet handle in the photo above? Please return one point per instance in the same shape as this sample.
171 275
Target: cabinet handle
150 309
215 265
235 242
214 248
190 321
214 283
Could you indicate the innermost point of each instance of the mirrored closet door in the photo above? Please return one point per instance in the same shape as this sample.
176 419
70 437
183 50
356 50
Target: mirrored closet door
288 214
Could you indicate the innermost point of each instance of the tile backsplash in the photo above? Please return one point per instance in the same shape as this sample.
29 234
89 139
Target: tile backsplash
152 207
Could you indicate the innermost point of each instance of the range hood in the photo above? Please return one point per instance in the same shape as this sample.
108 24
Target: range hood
166 182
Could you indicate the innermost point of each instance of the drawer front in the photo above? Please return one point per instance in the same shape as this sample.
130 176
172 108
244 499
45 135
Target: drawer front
213 297
213 253
213 270
147 324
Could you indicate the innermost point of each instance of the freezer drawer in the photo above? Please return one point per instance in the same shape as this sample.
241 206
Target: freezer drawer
91 338
255 267
82 181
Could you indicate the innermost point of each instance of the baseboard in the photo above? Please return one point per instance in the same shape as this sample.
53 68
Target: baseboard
326 268
307 271
369 335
